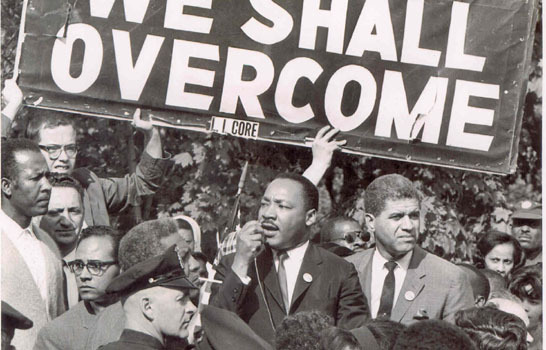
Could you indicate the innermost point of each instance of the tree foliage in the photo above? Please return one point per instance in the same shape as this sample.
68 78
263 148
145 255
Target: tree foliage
457 205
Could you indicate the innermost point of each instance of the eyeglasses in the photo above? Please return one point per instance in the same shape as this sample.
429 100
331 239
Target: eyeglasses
350 237
95 267
54 151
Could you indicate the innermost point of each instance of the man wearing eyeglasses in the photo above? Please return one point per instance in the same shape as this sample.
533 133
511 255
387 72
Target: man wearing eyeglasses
95 265
56 136
342 231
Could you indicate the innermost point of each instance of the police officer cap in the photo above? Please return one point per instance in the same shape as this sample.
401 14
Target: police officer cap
528 210
163 270
13 318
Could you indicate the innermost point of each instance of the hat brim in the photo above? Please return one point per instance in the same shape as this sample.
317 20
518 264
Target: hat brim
178 283
530 215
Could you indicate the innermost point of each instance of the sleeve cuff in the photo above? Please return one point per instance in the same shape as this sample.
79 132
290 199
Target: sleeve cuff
244 279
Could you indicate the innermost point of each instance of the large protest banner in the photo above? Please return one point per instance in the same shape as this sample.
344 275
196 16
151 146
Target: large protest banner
437 81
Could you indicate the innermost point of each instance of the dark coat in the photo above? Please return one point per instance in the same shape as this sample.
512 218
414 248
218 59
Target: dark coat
132 340
325 283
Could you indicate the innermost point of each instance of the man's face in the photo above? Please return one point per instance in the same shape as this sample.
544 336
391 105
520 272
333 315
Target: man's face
534 312
59 136
187 236
396 227
64 218
172 310
348 234
528 232
30 190
283 215
95 249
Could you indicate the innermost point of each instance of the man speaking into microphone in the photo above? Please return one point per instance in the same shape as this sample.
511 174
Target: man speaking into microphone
276 271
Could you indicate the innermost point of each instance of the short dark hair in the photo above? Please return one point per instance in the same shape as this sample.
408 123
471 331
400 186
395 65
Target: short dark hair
335 338
432 335
310 191
492 239
330 224
143 241
64 180
492 329
45 119
478 281
496 281
10 148
526 283
388 187
385 331
103 231
301 330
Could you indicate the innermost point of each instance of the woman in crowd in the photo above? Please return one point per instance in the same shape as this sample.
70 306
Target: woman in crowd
499 252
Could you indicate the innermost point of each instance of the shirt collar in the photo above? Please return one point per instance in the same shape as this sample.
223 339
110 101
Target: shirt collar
9 225
403 262
298 252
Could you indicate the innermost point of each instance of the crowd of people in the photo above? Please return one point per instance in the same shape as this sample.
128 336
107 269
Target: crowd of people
71 281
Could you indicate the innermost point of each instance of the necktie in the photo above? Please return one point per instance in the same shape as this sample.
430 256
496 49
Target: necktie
281 274
65 285
387 295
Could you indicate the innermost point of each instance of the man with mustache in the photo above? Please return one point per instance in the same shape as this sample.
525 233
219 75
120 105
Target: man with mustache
403 282
527 228
276 271
30 258
95 265
63 222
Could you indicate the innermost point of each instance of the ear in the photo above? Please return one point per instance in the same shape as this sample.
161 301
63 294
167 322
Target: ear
6 187
310 217
370 222
146 308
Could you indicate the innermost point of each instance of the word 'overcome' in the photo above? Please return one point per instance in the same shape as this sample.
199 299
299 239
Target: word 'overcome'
372 33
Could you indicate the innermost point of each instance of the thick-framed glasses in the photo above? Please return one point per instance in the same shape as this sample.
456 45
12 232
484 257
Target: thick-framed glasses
54 151
95 267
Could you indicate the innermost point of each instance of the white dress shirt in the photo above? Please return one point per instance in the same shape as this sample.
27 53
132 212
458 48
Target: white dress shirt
379 273
292 266
30 248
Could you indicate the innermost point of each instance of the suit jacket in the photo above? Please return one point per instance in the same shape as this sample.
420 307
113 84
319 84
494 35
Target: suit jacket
107 327
325 283
433 287
103 196
20 291
68 331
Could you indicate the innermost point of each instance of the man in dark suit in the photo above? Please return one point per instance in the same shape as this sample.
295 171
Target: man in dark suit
276 271
402 281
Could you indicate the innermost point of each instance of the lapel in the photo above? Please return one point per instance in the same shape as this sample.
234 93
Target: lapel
414 283
365 271
310 267
267 272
